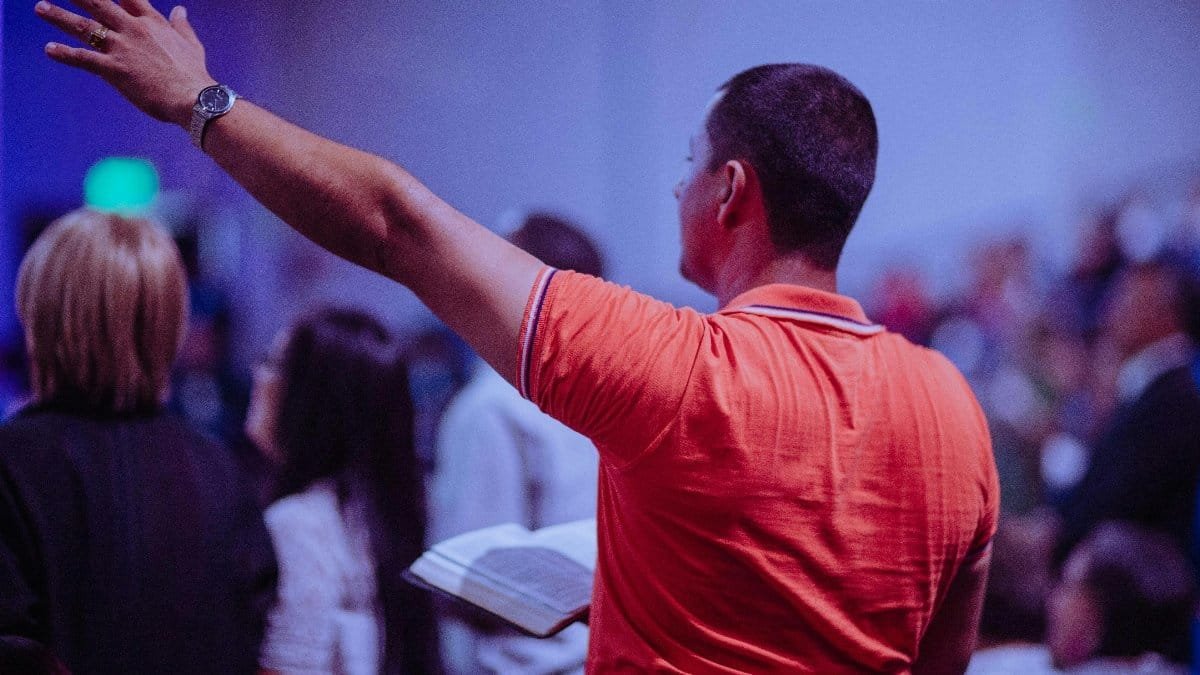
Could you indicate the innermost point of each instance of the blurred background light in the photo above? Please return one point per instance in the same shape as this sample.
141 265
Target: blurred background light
127 185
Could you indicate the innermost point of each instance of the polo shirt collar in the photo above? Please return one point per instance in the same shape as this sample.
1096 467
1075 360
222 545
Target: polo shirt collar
804 304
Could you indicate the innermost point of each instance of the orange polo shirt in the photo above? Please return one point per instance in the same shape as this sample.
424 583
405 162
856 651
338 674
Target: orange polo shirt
784 486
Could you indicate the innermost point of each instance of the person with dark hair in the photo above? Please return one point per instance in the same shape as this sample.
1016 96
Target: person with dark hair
1125 603
784 485
1146 465
331 406
501 460
129 543
811 138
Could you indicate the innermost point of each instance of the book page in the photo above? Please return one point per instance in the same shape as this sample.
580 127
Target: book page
466 548
538 581
536 574
576 540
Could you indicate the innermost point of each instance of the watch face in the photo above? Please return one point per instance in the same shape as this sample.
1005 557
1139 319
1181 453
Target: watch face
215 99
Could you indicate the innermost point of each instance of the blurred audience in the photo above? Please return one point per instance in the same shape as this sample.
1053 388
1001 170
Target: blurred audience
331 406
1013 623
500 459
1091 383
128 542
1145 467
120 526
439 365
1125 603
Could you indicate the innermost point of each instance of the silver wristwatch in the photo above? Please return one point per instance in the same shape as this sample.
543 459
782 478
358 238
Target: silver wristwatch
212 102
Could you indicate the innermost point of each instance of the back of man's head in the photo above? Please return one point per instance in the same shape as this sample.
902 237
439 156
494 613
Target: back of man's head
1158 294
559 243
1143 587
810 136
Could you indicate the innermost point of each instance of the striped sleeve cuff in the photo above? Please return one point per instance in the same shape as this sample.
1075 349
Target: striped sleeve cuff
529 326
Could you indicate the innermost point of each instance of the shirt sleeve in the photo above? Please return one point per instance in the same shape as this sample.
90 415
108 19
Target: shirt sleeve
610 363
301 627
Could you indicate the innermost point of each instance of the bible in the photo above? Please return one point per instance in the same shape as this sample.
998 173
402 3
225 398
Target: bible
538 581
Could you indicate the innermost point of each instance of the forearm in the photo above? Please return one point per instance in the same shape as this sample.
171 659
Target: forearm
373 213
340 198
358 206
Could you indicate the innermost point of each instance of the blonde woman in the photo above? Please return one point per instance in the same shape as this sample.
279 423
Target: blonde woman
128 543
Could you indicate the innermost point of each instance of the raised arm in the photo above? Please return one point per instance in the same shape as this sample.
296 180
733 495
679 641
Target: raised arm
358 206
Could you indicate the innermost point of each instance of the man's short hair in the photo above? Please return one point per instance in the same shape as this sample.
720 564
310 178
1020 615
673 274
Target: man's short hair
559 243
103 300
810 136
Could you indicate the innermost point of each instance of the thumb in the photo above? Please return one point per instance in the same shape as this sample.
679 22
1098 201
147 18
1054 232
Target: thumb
180 23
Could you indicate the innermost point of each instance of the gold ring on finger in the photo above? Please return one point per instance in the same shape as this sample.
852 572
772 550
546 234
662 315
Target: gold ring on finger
96 37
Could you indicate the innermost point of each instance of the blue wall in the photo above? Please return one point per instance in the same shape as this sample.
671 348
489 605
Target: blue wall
991 115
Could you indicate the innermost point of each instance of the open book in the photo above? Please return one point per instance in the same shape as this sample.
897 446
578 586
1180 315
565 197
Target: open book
538 581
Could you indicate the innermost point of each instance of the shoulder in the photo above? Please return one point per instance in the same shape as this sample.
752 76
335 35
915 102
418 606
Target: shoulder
38 437
307 520
486 391
609 307
34 422
934 368
309 511
1177 384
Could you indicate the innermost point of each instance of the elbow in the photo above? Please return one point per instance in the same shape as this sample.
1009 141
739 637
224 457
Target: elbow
389 227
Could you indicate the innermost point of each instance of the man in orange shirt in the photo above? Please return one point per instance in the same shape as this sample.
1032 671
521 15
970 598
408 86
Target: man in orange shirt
784 485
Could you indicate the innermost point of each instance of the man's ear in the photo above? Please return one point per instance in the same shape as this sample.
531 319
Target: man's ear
736 177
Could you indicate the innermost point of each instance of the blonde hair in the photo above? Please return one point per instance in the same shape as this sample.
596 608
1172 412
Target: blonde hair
103 300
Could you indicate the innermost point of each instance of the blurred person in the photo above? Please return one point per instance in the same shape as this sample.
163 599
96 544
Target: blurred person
1013 624
1188 243
902 303
1142 230
1004 297
1145 467
502 460
129 543
331 407
783 484
1098 260
1125 603
439 365
14 378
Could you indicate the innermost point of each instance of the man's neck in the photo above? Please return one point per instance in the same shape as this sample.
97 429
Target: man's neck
792 270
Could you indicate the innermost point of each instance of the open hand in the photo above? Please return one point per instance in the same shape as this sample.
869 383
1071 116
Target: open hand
155 62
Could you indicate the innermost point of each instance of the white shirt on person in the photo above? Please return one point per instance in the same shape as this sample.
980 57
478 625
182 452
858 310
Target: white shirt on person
501 460
326 618
1141 370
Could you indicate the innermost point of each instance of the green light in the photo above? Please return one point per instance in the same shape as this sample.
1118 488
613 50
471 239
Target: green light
122 184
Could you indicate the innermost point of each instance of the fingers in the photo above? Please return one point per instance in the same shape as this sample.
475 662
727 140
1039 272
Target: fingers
179 21
137 7
93 62
69 22
105 11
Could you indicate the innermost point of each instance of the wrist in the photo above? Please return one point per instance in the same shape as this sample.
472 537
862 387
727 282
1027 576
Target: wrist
182 111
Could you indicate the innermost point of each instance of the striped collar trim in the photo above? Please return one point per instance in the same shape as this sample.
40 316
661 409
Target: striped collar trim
830 320
809 305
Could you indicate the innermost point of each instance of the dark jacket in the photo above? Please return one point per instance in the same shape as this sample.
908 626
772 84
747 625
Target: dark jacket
1146 467
130 544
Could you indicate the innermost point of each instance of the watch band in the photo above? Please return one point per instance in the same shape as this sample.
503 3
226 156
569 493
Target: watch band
196 127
